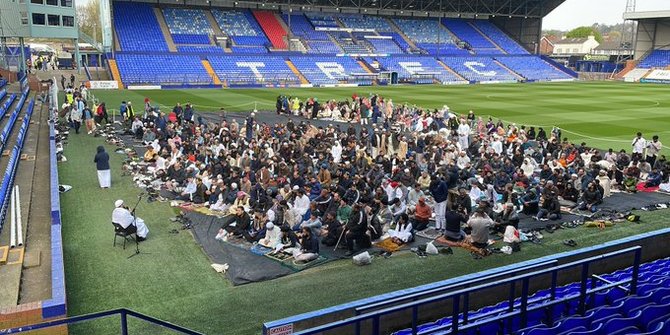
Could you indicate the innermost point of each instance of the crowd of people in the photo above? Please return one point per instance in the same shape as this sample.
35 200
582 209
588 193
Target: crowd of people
388 173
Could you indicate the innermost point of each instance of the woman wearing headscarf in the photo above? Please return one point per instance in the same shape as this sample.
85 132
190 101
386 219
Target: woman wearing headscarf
102 165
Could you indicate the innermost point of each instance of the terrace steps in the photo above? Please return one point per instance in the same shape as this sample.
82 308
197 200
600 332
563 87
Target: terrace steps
210 71
116 75
450 70
520 77
295 70
365 66
486 37
402 33
165 30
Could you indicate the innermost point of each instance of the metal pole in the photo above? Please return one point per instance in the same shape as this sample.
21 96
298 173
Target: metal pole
19 225
22 57
12 233
636 271
582 289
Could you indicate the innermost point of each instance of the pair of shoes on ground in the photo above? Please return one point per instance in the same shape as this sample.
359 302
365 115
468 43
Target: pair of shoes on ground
570 243
221 237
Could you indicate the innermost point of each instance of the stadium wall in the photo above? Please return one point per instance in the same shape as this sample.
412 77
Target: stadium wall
650 251
54 308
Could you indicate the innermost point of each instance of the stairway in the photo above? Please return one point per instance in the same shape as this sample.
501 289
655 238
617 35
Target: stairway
365 66
210 72
402 34
272 28
116 75
164 28
487 37
450 70
295 70
520 77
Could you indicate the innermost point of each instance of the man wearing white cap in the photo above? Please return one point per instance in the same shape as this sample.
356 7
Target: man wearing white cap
125 218
272 236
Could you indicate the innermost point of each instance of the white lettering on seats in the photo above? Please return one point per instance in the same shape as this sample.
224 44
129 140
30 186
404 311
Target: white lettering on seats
332 70
412 67
253 66
472 66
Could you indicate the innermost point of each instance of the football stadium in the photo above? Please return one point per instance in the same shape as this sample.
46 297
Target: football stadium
332 167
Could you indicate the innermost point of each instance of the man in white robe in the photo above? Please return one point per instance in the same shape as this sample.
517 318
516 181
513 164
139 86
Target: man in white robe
464 134
125 218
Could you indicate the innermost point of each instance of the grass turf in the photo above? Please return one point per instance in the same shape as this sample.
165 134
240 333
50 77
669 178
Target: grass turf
174 281
603 114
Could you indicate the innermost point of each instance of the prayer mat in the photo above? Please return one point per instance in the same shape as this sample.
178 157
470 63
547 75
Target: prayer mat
260 250
598 224
640 187
388 245
441 241
280 256
430 233
297 266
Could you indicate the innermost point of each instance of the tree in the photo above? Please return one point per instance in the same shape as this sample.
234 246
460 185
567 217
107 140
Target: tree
583 32
88 15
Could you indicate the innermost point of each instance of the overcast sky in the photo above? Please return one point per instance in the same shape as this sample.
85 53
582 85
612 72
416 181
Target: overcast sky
575 13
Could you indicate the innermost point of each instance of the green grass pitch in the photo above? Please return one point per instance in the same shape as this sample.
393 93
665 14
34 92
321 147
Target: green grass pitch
175 282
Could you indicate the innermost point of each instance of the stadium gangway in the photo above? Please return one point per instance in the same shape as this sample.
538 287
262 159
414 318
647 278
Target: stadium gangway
4 136
13 164
461 297
122 312
5 106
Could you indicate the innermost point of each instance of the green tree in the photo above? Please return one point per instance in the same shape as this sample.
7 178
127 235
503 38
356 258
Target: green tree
88 16
583 32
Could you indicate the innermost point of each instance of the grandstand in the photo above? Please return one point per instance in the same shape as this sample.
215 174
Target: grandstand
651 49
163 36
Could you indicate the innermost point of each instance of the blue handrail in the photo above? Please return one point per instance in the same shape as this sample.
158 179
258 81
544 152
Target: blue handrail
456 297
5 106
122 312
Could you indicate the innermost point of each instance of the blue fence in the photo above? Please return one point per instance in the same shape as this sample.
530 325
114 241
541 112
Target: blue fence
5 106
123 324
460 306
56 306
4 135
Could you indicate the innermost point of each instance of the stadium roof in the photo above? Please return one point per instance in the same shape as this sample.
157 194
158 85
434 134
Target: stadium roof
657 14
515 8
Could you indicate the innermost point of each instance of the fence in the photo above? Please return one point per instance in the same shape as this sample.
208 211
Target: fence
125 315
460 305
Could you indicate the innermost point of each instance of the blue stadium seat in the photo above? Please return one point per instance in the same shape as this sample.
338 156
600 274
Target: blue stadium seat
659 328
161 69
200 49
241 26
252 69
188 26
651 315
499 37
533 68
595 330
617 326
466 33
656 59
411 67
327 70
430 35
137 27
478 68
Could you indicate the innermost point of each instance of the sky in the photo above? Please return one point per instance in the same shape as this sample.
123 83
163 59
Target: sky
574 13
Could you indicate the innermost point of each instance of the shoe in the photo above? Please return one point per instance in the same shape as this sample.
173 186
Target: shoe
570 243
447 251
349 253
386 254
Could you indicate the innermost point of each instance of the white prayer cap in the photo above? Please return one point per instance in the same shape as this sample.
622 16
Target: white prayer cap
233 185
295 188
269 226
118 203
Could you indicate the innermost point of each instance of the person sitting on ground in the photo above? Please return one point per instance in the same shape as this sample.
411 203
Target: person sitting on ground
125 218
309 247
550 208
314 224
653 179
402 233
236 225
289 240
479 224
590 198
272 236
453 231
422 214
508 217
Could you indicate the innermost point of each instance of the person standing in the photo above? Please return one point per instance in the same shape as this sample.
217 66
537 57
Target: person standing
102 165
653 148
72 80
75 116
62 81
440 192
639 144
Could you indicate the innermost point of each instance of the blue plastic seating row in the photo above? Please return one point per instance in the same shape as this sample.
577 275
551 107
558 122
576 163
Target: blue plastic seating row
499 37
161 69
200 49
326 70
657 58
479 69
137 27
533 68
188 26
250 68
418 69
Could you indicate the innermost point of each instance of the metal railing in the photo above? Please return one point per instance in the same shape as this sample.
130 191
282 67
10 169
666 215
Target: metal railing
461 305
122 312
